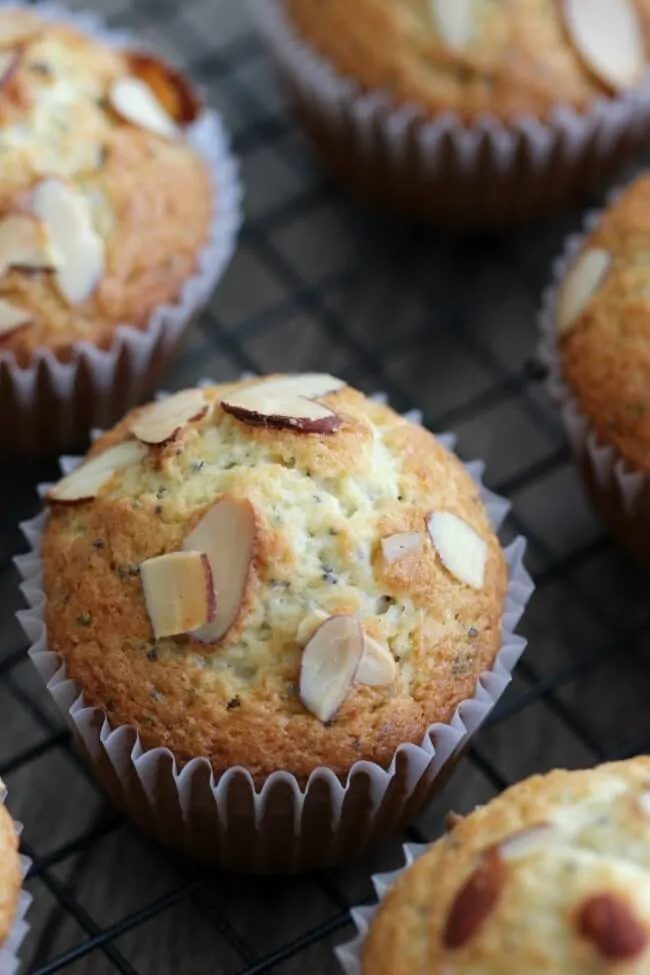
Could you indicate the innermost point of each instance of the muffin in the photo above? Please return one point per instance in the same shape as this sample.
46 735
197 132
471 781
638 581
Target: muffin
102 260
597 330
470 116
13 902
290 582
552 876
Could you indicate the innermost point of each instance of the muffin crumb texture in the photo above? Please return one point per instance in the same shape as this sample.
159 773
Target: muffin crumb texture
603 325
93 231
475 57
278 574
551 877
10 878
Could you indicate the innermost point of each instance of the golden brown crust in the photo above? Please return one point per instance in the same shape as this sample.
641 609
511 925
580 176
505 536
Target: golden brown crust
605 354
10 877
521 61
593 847
322 505
57 121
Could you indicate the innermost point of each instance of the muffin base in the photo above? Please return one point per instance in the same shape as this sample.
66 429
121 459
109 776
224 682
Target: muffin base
618 493
285 826
50 406
457 177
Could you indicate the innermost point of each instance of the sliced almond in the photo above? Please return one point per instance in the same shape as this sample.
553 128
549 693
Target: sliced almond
162 421
400 544
309 625
461 549
9 62
24 244
18 26
288 402
454 21
79 249
12 317
526 841
227 535
178 591
475 901
329 664
583 279
171 88
377 667
608 36
85 482
135 102
609 923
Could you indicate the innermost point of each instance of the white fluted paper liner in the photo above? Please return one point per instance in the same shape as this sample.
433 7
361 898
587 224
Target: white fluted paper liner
9 949
609 469
138 348
349 954
372 127
441 742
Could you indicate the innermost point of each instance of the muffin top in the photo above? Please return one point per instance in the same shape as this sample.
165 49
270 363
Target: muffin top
93 230
473 57
551 877
603 325
279 574
10 877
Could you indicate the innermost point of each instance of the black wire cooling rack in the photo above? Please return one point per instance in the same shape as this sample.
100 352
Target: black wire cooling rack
442 324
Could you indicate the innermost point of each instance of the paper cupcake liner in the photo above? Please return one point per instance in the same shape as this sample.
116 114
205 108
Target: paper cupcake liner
619 493
50 405
349 954
457 176
282 826
9 949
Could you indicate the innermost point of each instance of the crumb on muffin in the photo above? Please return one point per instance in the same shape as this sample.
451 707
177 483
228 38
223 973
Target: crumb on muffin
277 573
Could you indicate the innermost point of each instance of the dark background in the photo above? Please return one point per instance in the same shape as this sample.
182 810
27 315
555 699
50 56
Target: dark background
448 326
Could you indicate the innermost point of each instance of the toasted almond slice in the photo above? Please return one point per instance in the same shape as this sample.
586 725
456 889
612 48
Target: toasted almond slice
309 625
288 402
462 550
24 244
12 317
79 249
86 481
610 924
134 101
18 26
329 664
162 421
9 61
526 841
583 279
608 36
475 901
377 667
453 19
178 591
226 533
401 544
171 88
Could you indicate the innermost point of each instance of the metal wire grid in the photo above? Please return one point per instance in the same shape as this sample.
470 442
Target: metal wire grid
588 580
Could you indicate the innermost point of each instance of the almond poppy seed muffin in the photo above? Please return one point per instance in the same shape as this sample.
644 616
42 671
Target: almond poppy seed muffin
549 878
467 114
93 230
273 574
601 336
507 60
